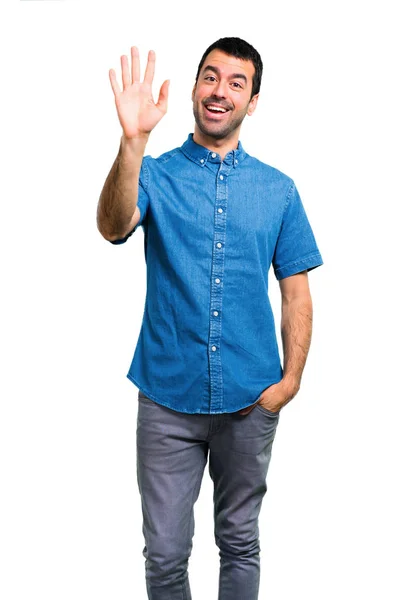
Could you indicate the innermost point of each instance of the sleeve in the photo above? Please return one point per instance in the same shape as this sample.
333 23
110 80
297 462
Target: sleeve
296 249
143 200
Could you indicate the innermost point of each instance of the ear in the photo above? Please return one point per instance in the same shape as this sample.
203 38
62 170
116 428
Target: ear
194 91
252 105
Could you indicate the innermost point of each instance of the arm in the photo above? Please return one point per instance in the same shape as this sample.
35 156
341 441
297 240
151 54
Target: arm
117 212
296 327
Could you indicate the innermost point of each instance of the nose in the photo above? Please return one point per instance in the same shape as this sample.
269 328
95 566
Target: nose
220 89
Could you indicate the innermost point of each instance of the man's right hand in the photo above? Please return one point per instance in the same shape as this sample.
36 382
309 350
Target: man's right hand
137 111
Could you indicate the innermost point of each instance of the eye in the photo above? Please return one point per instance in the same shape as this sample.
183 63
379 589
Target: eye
209 78
236 84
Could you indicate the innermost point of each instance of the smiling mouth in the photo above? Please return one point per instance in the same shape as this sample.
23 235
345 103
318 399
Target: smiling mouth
216 109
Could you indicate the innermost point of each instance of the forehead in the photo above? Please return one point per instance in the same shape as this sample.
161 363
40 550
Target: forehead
229 64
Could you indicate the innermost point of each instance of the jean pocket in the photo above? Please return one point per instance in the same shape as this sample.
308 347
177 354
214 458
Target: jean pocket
264 410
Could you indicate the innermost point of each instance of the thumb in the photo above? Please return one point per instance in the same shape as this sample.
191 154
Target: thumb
162 103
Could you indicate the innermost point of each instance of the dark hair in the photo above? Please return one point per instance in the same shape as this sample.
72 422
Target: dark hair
237 47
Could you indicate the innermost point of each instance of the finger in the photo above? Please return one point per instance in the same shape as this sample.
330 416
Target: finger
135 64
162 103
114 83
150 67
126 78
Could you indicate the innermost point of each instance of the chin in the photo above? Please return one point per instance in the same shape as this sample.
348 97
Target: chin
214 132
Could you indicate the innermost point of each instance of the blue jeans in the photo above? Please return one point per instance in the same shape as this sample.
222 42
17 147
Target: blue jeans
172 452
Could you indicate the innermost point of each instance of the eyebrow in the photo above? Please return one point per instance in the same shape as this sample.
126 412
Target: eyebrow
218 72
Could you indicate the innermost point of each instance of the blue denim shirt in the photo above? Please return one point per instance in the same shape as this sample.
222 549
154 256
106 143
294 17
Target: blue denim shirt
212 229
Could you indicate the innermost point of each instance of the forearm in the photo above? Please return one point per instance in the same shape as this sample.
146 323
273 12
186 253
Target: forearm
296 330
119 196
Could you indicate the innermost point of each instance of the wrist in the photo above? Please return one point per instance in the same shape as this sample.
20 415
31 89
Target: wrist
138 142
291 385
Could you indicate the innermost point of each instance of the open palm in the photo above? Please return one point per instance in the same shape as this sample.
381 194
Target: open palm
137 111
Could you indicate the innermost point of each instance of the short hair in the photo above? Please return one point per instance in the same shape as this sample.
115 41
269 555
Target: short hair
238 48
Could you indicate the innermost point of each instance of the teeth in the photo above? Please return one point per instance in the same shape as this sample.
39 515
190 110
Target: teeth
216 108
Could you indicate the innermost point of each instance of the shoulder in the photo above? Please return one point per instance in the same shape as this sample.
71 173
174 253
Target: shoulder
266 174
155 167
166 157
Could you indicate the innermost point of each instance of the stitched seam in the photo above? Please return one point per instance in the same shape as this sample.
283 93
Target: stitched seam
145 174
298 262
289 195
170 155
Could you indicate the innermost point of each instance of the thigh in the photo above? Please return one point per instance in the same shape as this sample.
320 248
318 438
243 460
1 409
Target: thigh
171 457
239 459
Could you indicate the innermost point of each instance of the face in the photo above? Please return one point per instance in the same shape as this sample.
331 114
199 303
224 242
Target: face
222 95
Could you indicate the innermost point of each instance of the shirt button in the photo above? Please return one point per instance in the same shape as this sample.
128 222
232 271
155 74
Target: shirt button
217 280
236 161
213 348
215 313
219 245
220 210
221 177
213 155
202 160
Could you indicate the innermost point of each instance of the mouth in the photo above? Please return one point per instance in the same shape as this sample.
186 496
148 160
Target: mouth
215 110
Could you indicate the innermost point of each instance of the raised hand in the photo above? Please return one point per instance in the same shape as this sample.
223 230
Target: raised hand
137 111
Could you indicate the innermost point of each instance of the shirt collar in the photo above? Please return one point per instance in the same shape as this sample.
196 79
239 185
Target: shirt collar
200 155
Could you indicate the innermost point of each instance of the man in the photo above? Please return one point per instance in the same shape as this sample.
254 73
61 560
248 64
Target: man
211 384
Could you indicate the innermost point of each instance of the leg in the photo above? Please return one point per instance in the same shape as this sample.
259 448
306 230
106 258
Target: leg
171 458
239 458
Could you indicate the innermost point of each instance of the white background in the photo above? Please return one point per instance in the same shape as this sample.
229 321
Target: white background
72 303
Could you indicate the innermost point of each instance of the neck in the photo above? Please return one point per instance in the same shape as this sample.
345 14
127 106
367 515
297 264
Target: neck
220 146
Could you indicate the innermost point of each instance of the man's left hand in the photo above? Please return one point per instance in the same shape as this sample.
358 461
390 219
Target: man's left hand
274 397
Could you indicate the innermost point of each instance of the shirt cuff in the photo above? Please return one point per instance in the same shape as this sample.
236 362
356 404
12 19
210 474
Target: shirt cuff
304 264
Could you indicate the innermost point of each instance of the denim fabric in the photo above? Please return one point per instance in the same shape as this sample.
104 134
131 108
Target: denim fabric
212 230
172 452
